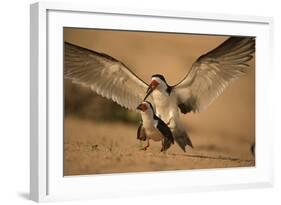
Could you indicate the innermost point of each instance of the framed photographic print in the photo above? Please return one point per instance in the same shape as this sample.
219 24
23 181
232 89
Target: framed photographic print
128 102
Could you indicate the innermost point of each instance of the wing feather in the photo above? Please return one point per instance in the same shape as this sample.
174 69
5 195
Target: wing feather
105 75
212 73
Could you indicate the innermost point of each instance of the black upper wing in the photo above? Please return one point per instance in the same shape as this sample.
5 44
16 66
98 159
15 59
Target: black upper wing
164 129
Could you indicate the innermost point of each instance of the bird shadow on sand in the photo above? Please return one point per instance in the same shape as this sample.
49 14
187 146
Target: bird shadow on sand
214 158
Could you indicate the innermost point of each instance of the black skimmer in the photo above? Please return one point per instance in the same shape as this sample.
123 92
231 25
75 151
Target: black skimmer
209 75
153 127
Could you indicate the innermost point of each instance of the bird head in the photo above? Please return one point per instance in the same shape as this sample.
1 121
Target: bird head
145 106
157 82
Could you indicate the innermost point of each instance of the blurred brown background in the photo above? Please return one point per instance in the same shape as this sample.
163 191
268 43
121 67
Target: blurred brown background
100 136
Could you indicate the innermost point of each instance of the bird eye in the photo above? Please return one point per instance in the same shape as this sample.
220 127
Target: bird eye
144 107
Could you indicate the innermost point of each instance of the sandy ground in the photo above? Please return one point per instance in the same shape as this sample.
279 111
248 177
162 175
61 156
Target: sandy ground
113 148
221 135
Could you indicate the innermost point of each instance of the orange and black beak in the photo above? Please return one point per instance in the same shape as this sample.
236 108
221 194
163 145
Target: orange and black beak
142 107
150 88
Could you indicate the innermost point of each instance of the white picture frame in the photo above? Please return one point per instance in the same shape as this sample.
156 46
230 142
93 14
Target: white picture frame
46 132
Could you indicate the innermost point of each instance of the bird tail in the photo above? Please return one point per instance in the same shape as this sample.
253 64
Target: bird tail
182 138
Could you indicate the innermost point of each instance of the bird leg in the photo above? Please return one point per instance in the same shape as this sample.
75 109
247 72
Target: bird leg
163 146
145 148
166 144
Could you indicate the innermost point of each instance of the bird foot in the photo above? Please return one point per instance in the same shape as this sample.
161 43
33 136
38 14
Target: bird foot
144 148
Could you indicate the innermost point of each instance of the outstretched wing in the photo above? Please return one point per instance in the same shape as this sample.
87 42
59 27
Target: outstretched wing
105 75
213 72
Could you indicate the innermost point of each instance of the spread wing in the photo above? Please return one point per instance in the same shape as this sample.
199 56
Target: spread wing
105 75
213 72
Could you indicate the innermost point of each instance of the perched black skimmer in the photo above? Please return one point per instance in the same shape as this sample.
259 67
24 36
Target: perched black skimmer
152 127
209 75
